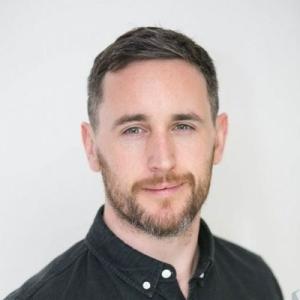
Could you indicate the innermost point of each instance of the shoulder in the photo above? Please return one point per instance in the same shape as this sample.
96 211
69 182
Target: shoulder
53 275
245 266
236 254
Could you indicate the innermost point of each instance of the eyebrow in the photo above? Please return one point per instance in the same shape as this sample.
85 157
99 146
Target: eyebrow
187 117
129 118
143 118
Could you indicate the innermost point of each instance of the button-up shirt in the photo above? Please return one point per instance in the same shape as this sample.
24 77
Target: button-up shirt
103 267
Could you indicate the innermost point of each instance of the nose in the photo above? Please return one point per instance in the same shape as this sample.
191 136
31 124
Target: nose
160 153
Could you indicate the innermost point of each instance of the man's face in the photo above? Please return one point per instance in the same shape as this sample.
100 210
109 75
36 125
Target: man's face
156 144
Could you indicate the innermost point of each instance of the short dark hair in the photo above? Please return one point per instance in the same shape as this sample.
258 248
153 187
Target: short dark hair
145 43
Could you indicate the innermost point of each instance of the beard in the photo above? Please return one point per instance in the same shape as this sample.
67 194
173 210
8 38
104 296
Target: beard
127 207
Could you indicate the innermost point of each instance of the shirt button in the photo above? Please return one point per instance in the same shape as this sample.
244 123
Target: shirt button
201 275
146 285
166 273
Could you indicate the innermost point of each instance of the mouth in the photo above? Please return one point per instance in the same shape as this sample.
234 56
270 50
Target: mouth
164 189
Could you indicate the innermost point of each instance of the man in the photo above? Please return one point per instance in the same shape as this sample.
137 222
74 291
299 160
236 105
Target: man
154 134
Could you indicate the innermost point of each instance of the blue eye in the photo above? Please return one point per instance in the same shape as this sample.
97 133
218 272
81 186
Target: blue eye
133 131
184 127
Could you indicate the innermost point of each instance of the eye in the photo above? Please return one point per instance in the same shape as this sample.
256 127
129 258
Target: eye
184 127
133 131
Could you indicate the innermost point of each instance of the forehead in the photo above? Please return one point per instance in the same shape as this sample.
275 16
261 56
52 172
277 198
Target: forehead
155 87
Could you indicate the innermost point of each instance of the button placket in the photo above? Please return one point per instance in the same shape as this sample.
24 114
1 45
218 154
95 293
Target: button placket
166 273
146 285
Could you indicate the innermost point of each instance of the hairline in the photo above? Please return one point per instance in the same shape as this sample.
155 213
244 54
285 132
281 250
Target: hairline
98 98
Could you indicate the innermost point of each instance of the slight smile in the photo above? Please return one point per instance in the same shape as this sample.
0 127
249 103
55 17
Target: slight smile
163 190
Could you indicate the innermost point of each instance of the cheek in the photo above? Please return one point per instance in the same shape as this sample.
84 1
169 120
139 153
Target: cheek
196 158
126 162
193 151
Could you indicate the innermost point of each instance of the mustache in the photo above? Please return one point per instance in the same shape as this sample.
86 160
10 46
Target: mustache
170 178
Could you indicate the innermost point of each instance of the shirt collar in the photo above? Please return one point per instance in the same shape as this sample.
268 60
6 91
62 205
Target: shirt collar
136 268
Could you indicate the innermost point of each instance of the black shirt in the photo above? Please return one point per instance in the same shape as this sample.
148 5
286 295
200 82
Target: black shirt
103 267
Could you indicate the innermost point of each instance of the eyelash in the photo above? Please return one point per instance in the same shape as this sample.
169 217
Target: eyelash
129 131
186 127
183 127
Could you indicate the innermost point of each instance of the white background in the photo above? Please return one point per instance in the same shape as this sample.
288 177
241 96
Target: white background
48 195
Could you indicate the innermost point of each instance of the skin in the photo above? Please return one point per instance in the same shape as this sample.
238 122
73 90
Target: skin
157 160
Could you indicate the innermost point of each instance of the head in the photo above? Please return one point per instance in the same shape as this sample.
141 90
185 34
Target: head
148 43
154 130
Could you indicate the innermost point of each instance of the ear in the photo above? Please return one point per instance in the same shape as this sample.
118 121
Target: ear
90 146
221 134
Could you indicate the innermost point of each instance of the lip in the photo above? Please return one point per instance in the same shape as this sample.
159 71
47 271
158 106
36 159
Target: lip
163 190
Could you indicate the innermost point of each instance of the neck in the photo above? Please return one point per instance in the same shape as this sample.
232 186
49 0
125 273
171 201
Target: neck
180 251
